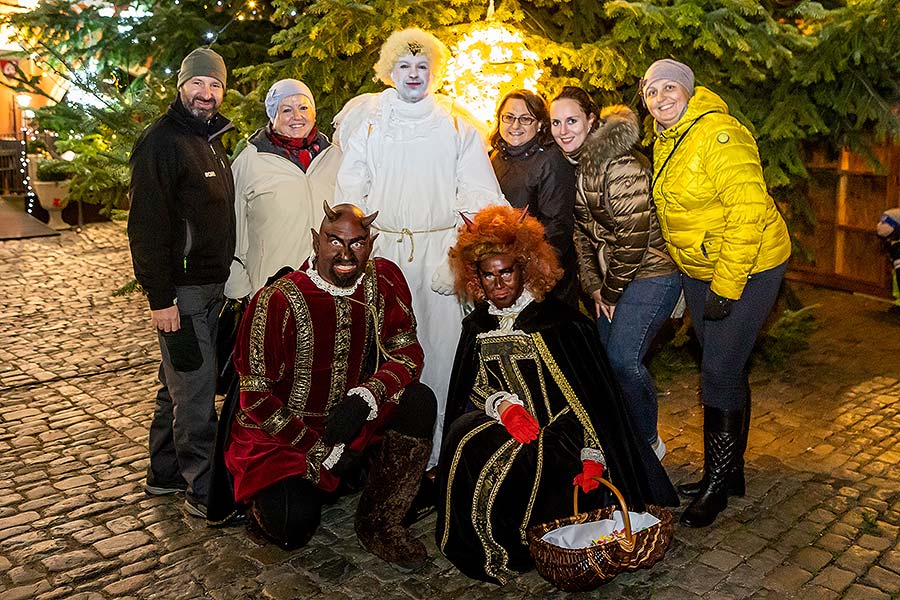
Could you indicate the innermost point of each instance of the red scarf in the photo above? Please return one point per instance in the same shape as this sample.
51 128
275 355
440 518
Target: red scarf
300 151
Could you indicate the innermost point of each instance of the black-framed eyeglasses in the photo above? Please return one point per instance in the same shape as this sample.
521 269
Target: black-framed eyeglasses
524 120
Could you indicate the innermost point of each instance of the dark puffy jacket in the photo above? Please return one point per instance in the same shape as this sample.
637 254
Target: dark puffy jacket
539 177
181 223
617 234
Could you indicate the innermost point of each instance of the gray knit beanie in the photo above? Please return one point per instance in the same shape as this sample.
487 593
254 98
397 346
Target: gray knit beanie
282 89
671 70
202 62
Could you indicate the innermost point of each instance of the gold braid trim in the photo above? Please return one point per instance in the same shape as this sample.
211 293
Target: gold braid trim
566 389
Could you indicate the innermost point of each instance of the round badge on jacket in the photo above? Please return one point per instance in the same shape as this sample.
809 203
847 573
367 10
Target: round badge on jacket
722 138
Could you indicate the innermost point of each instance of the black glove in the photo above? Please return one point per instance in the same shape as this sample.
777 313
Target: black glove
345 420
349 461
717 307
894 249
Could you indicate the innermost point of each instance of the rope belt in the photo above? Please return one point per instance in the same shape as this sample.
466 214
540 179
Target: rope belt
410 233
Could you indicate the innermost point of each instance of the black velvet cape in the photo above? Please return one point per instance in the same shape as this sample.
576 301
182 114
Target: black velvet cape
491 487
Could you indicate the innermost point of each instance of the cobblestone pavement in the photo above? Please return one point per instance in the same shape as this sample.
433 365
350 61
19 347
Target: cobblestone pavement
77 378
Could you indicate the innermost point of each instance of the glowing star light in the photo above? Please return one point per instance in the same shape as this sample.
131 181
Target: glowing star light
485 64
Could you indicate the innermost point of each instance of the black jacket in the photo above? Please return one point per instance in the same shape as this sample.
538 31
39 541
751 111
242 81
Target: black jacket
541 178
181 224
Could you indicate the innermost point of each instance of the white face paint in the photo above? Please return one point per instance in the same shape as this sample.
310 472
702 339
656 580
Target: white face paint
412 77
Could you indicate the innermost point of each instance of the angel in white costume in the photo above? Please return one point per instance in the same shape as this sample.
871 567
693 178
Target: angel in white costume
413 157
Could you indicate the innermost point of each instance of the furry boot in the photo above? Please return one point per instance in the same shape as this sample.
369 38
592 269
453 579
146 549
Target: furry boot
393 483
721 443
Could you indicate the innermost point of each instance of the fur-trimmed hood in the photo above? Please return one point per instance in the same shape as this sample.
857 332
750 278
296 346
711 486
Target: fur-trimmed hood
617 135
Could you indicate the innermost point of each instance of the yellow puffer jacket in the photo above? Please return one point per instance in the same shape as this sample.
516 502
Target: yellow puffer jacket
719 222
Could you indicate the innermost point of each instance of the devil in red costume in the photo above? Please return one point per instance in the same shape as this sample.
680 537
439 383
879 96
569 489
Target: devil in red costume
329 363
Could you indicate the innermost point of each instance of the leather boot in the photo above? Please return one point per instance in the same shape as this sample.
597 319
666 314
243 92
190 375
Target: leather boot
392 485
735 483
721 444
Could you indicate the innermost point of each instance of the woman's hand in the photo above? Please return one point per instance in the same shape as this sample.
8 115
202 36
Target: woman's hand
520 425
602 307
589 470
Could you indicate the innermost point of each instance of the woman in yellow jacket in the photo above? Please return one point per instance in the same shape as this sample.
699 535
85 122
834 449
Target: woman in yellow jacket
729 240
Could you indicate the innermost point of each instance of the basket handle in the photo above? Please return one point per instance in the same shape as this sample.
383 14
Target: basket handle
627 544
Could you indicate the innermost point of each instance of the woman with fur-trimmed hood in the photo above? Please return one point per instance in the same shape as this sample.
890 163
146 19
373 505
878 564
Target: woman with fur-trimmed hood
622 257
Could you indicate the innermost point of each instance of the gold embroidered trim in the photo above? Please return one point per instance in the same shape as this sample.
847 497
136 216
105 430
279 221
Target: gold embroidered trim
314 458
569 394
401 340
378 389
452 475
278 421
492 476
303 358
257 355
339 363
255 383
539 470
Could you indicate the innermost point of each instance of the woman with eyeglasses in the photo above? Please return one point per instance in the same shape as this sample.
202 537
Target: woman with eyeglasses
732 246
622 259
533 172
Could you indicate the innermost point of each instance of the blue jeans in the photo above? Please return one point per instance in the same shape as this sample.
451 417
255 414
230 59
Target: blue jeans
727 344
640 313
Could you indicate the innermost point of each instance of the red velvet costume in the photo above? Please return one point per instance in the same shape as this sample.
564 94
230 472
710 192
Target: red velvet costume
298 352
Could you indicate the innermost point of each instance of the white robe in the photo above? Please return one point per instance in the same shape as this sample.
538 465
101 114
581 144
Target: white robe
419 165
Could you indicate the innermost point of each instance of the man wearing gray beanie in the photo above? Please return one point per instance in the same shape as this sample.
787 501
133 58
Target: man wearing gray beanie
181 229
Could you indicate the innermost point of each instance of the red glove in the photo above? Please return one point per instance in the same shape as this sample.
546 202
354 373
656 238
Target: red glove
589 470
521 425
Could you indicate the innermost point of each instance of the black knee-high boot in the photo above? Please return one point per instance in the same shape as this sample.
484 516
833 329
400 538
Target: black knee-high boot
735 484
721 447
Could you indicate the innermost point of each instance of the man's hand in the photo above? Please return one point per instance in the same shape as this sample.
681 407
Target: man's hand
166 319
345 420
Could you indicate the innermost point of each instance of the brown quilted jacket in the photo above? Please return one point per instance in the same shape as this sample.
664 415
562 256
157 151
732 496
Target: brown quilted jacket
617 235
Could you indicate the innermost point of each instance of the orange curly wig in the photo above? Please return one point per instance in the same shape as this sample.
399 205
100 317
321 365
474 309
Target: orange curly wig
503 230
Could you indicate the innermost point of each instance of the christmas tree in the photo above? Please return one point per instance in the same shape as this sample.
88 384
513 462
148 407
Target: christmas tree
796 73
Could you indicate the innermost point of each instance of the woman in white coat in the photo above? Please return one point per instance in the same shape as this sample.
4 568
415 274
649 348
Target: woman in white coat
282 178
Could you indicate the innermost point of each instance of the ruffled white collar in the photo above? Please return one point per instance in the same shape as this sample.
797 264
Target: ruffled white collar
327 287
509 314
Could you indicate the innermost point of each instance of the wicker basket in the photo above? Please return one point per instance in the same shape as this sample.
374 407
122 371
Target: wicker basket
585 569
